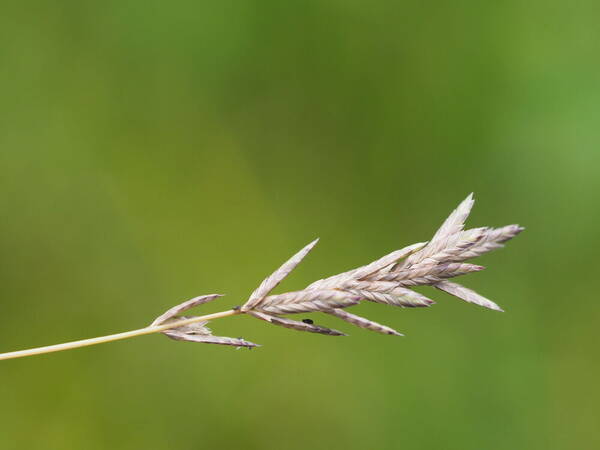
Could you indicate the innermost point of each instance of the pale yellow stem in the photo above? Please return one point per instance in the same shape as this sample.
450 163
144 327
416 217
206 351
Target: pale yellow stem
115 337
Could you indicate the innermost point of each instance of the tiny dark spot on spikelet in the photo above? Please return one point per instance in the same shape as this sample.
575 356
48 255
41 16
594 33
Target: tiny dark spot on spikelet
308 321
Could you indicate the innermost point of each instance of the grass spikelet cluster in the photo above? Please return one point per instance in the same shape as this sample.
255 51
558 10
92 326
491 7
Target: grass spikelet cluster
388 280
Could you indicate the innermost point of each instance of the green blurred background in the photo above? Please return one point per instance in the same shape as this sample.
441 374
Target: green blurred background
155 151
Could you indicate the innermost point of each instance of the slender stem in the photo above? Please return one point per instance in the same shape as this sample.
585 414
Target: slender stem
115 337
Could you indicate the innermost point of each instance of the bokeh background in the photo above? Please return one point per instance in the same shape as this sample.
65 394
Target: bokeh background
155 151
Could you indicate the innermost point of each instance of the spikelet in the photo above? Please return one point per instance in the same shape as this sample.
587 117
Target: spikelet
307 301
466 294
425 275
176 310
361 322
219 340
451 226
456 245
296 325
493 239
272 281
399 296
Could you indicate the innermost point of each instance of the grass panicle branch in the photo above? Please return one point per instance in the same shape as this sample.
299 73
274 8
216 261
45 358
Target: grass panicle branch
388 280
